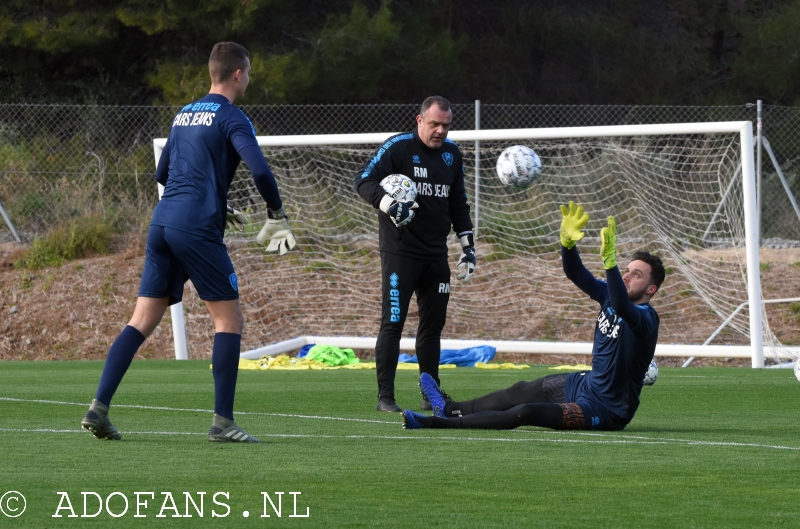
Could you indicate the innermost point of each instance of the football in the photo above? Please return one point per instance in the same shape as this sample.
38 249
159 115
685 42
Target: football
400 187
651 375
518 166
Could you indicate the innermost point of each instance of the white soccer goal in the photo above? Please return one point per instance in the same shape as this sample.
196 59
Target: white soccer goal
686 191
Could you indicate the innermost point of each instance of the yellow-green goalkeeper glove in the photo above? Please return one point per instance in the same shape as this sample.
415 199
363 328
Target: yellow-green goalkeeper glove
573 219
608 243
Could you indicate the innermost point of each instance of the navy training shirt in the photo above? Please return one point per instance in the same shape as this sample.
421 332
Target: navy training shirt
441 195
207 140
625 337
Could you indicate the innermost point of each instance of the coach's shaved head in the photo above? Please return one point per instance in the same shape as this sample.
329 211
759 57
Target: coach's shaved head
225 59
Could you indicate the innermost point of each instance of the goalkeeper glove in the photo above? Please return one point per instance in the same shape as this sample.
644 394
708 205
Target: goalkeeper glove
401 213
573 219
236 219
467 262
608 243
277 230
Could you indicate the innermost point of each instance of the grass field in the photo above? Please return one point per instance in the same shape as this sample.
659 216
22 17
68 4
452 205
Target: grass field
710 447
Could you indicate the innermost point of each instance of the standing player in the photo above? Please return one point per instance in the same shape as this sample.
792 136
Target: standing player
414 254
625 335
207 140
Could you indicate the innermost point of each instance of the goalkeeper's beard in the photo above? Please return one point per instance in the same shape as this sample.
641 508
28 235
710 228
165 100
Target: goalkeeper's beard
636 296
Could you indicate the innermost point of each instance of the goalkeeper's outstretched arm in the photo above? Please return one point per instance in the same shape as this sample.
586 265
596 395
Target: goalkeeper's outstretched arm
578 273
618 296
573 219
617 292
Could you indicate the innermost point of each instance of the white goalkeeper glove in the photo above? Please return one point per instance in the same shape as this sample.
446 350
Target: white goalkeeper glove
401 213
236 219
277 231
466 264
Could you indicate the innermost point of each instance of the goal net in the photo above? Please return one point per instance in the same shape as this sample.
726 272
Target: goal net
682 191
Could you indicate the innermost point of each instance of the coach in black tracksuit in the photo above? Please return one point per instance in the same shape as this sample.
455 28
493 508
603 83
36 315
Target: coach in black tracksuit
413 238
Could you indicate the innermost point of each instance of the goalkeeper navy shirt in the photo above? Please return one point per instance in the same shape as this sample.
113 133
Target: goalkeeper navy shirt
439 177
625 338
207 140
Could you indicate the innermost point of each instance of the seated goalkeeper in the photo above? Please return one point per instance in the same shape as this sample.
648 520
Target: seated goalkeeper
605 398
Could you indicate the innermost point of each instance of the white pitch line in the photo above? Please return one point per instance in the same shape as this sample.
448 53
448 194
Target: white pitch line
632 440
607 437
196 410
82 431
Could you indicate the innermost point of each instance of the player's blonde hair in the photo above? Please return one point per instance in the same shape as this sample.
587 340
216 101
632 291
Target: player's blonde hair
225 59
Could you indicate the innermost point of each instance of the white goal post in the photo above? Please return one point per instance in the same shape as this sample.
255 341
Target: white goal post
686 191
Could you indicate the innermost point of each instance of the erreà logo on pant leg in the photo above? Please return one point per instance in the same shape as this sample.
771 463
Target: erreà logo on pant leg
394 298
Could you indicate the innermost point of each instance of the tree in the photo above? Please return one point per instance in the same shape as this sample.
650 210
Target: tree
768 65
399 51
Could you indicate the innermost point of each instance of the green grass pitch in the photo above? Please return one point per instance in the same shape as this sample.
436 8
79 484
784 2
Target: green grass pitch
709 447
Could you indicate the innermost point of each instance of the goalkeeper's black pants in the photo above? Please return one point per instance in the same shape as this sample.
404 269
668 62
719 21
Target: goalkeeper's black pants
536 403
401 277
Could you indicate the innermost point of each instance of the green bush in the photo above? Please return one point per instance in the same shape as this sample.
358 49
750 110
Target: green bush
82 237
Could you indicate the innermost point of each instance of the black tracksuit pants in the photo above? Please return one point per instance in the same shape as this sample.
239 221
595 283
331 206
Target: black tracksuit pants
403 276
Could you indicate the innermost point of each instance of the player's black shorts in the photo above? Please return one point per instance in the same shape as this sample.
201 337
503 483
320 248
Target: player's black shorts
173 256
